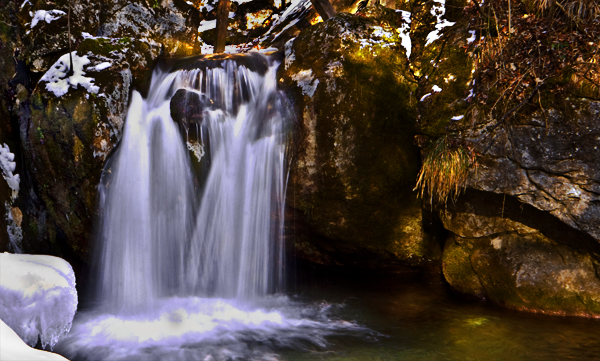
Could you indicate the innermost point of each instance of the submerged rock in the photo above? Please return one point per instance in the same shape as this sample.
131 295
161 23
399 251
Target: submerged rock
354 163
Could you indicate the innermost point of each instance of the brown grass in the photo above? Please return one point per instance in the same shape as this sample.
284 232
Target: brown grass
576 9
445 170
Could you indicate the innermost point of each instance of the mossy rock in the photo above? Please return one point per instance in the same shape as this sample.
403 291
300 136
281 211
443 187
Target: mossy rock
69 139
355 163
458 271
517 266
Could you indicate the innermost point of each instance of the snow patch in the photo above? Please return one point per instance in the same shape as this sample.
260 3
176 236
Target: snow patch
434 89
100 66
304 79
472 37
229 49
8 167
43 15
14 349
457 117
404 32
295 9
379 37
470 95
289 55
206 25
438 10
59 84
37 296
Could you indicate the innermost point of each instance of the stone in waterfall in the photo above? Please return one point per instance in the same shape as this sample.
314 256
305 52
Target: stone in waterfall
186 111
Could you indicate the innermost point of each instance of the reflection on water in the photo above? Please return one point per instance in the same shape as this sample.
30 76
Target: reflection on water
345 317
424 321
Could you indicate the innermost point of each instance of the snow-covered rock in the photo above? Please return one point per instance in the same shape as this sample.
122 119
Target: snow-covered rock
14 349
37 297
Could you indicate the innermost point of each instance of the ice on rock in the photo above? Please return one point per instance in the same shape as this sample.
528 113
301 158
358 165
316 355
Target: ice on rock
7 166
14 349
37 296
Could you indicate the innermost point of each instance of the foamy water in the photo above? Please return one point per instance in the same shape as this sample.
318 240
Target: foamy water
194 328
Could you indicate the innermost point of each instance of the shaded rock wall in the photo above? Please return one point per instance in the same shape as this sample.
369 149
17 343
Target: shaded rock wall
354 164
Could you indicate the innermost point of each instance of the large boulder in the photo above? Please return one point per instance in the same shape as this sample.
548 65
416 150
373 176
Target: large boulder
354 162
516 256
534 130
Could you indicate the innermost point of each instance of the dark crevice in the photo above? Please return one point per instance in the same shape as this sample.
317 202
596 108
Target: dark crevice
490 204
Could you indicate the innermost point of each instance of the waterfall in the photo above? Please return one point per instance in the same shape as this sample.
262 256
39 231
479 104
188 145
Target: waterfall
165 232
190 248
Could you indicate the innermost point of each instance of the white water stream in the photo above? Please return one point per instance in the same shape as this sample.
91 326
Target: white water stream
153 242
185 274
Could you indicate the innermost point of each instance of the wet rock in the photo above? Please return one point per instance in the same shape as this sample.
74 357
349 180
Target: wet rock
10 201
550 162
354 163
186 110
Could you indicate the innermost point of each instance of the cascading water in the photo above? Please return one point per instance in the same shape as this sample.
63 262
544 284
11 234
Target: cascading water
187 264
151 244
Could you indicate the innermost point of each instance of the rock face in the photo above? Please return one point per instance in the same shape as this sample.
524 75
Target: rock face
517 256
547 164
525 235
68 140
551 162
354 164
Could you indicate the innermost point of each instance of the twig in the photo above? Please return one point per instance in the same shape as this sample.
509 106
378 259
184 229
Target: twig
478 8
71 71
510 112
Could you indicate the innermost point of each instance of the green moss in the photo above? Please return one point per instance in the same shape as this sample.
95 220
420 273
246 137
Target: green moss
362 119
102 46
458 271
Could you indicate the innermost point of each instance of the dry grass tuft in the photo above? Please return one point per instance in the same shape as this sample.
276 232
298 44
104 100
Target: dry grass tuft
445 170
576 9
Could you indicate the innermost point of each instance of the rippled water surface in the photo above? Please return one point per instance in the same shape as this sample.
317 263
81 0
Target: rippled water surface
341 317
